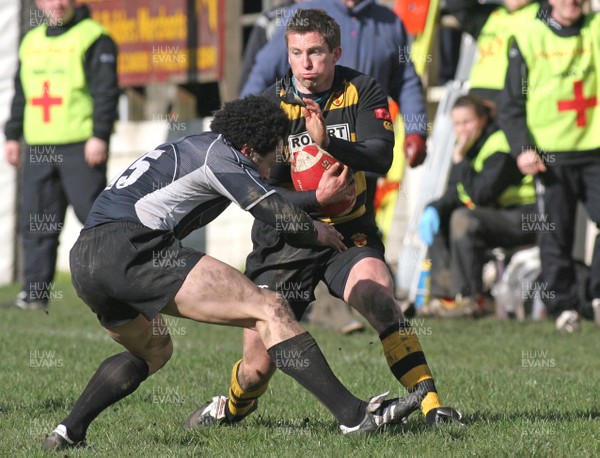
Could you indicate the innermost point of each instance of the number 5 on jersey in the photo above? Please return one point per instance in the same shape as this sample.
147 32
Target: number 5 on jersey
137 170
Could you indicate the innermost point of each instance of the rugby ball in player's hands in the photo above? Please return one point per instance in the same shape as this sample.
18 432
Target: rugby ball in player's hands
308 166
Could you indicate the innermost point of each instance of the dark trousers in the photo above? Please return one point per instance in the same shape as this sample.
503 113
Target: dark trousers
52 178
458 257
562 187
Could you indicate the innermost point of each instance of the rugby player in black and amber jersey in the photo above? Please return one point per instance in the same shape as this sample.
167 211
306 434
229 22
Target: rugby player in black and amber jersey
129 266
346 113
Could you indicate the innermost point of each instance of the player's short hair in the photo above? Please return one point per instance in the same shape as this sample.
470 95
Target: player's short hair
315 20
254 121
479 105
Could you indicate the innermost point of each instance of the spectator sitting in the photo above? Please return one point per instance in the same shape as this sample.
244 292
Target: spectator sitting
484 207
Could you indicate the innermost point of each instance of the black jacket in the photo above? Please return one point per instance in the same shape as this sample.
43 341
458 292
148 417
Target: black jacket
499 172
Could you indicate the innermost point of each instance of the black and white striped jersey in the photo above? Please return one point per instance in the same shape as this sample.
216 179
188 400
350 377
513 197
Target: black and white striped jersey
181 186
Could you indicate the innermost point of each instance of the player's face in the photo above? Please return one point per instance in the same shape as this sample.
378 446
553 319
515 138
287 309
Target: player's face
312 62
58 12
566 12
265 162
467 124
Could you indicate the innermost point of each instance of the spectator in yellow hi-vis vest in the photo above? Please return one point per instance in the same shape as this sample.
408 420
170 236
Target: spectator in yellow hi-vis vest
64 108
483 207
492 25
551 118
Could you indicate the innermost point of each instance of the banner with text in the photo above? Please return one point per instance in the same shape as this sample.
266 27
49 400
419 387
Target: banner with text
164 40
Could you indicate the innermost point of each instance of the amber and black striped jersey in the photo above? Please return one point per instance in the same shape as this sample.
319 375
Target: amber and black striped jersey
360 130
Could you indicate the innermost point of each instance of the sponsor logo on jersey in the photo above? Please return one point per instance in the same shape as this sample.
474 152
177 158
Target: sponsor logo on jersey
298 141
338 99
383 113
359 239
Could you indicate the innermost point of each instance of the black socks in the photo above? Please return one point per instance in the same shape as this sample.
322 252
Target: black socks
116 378
301 358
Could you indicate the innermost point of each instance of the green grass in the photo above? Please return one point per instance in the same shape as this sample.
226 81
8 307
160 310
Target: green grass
550 409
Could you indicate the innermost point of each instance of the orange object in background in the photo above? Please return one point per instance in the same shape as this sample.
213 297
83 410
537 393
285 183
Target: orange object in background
385 187
413 14
394 109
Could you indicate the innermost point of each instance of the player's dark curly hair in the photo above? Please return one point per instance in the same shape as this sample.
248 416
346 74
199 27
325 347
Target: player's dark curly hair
254 121
315 20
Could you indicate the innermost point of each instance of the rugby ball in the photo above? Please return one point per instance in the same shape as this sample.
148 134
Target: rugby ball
308 165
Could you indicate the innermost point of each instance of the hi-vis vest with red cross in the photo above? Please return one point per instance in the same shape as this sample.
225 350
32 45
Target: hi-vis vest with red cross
563 86
59 107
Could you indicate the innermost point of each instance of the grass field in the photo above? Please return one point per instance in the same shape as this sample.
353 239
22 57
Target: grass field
523 389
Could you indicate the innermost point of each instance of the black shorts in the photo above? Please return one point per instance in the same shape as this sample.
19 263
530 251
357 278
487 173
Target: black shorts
295 272
123 269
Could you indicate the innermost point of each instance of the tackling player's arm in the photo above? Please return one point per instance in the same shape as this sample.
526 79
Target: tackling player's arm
294 225
336 185
306 200
232 175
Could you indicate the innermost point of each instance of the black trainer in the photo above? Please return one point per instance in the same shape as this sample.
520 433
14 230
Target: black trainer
443 415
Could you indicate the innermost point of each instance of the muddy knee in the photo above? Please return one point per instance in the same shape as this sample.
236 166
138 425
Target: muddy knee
375 303
276 307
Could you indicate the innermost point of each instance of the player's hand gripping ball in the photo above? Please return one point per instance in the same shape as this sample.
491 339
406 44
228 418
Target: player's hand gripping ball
308 166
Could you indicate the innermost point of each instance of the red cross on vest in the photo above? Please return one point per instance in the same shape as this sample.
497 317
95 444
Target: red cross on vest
579 103
45 101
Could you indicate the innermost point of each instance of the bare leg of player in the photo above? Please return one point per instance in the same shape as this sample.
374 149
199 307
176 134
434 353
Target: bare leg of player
369 290
257 368
149 348
216 293
213 292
